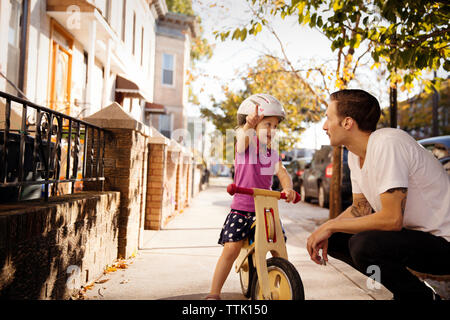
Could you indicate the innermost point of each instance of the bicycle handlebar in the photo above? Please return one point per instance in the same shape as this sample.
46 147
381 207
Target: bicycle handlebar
232 189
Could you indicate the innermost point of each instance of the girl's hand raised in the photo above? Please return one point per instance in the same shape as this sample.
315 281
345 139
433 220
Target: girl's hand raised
254 118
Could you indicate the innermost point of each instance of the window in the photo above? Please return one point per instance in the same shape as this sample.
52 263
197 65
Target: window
134 33
165 124
168 69
108 11
12 70
124 16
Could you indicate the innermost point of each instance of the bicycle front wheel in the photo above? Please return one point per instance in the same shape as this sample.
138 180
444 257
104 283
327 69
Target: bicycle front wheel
284 280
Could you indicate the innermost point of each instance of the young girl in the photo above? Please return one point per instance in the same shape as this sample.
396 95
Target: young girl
255 163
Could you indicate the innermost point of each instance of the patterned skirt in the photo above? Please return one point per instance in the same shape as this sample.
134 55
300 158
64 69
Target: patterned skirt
237 226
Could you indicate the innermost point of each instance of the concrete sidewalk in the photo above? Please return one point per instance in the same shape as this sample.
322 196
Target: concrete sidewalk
178 262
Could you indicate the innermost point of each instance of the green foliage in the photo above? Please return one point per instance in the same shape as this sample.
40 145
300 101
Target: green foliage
180 6
408 35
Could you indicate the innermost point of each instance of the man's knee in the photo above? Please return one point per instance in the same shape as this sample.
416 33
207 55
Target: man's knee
364 248
338 244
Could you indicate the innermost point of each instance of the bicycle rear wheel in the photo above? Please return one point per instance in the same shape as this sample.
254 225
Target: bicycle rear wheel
246 273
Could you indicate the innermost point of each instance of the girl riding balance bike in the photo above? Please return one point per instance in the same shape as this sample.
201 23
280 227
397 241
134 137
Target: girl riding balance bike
255 164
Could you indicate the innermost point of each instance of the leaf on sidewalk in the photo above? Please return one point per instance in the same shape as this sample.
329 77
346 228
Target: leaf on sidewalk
89 286
110 269
101 281
121 266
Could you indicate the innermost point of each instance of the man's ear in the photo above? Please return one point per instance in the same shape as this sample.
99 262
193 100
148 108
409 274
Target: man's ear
348 123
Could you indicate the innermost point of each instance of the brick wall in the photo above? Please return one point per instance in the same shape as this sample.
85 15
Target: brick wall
126 160
169 188
188 180
155 186
148 179
41 242
170 184
148 170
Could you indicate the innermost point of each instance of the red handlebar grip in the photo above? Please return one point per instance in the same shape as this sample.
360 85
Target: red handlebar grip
297 197
232 189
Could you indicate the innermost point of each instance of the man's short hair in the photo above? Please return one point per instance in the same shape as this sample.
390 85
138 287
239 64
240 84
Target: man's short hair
358 105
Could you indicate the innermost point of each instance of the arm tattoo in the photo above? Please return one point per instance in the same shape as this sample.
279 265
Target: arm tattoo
405 192
361 207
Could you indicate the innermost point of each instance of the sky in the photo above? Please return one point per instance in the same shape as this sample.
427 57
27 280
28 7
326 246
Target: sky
304 47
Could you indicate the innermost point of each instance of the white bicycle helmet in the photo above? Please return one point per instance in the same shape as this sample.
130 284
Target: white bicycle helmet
268 106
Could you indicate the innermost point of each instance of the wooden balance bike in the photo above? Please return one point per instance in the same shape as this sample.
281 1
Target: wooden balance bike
276 278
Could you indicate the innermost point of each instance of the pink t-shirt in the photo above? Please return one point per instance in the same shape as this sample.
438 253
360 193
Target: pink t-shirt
253 169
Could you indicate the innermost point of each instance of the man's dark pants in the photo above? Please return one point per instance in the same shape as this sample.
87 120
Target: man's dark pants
392 252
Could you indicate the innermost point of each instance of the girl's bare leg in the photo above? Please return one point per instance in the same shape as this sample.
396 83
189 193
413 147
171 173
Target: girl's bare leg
229 254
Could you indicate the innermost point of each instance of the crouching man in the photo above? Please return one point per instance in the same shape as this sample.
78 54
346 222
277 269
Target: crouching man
400 216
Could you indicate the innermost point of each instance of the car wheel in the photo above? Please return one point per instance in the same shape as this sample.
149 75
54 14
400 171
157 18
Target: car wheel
323 201
303 196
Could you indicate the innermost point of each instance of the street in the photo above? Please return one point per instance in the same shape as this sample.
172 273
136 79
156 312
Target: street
177 263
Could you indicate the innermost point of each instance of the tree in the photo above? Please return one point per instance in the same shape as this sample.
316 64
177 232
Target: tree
345 42
405 35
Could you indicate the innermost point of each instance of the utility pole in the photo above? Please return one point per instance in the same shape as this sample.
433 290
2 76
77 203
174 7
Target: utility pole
393 104
335 187
435 113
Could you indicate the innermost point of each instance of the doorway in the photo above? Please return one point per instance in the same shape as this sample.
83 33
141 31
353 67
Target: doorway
61 69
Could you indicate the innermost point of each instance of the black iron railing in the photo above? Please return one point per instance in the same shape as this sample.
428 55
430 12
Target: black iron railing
44 152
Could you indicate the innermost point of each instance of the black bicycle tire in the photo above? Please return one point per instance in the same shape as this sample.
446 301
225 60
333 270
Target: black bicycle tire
292 274
251 270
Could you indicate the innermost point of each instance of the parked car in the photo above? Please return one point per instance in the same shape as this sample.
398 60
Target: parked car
297 153
315 180
296 169
440 147
293 161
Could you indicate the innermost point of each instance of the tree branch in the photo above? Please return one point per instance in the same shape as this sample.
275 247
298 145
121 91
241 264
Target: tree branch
303 81
359 58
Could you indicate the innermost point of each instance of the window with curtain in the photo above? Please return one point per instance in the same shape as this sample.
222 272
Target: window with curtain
165 124
168 69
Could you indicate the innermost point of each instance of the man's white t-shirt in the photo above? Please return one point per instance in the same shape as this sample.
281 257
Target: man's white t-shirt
395 160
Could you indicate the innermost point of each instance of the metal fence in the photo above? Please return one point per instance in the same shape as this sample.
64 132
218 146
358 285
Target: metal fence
46 153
